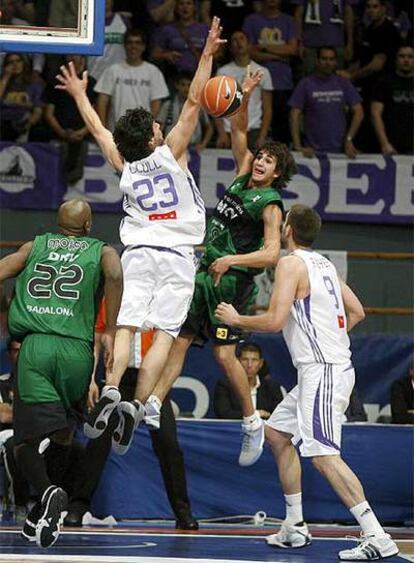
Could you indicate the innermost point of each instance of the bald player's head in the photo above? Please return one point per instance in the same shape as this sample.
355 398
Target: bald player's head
75 217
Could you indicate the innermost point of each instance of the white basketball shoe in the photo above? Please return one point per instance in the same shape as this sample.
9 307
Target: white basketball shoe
370 547
252 443
290 536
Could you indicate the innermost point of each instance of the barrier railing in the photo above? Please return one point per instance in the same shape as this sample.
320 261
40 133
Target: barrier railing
351 254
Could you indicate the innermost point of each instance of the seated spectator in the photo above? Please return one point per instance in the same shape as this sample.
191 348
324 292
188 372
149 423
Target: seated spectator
355 411
63 117
130 84
320 23
260 102
323 99
274 38
20 95
402 399
266 394
392 106
177 46
171 110
116 26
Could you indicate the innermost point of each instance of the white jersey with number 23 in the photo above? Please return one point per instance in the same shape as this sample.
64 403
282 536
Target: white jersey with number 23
162 202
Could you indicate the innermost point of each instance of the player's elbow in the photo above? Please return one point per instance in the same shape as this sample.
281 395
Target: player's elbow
274 324
361 314
114 277
271 257
357 315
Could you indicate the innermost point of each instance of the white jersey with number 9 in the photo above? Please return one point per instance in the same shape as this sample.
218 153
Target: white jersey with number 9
163 204
316 329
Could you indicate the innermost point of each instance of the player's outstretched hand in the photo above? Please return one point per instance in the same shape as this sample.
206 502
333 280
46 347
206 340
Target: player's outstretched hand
227 314
70 81
251 80
214 41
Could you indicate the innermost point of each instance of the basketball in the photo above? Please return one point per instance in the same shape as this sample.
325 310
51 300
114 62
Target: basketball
222 96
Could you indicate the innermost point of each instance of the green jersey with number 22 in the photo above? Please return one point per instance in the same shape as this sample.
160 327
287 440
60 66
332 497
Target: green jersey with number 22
56 292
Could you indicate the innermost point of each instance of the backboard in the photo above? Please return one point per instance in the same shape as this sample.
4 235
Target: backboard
85 37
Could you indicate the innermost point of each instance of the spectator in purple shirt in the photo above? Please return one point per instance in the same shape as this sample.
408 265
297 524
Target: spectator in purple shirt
274 39
323 99
180 44
324 22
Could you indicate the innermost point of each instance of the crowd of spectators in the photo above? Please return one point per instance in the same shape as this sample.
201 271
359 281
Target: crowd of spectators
338 74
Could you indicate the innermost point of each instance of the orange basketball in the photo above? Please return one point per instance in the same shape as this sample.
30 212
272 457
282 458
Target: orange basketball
222 96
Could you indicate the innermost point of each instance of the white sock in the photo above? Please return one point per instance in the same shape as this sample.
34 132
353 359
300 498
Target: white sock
366 518
253 420
294 513
155 401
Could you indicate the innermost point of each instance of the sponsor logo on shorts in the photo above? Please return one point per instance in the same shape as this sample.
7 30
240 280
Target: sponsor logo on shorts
222 333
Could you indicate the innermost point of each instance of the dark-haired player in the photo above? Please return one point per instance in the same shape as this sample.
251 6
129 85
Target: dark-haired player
315 309
243 237
165 218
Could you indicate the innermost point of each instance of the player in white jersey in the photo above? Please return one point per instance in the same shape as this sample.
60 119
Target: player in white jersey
315 309
165 218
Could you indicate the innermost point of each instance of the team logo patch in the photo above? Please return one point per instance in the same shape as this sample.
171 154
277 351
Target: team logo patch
341 321
222 333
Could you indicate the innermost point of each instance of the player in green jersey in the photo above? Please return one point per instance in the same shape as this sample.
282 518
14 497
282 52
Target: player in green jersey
243 237
59 278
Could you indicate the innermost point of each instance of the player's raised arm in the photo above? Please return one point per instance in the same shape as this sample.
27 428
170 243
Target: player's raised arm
239 123
76 87
179 137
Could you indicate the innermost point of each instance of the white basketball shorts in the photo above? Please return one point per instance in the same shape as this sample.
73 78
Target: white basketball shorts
313 411
158 287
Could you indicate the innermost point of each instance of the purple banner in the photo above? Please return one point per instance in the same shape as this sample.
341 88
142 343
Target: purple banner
371 188
30 176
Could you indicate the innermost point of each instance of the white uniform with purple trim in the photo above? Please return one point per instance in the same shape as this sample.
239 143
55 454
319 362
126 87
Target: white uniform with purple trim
165 218
318 343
